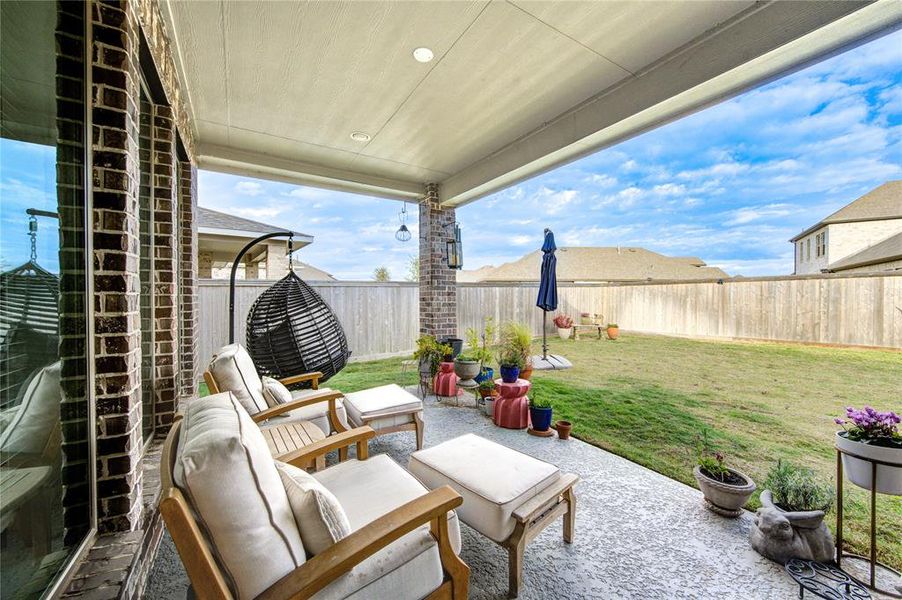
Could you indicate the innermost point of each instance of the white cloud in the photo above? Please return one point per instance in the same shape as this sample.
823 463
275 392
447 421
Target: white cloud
520 240
248 188
755 213
601 181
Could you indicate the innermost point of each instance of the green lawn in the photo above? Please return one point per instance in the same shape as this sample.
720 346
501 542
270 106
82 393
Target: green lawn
646 398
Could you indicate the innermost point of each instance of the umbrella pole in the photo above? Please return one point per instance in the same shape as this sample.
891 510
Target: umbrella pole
545 334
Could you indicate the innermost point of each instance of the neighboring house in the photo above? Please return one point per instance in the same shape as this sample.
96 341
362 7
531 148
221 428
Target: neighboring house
220 237
579 264
862 236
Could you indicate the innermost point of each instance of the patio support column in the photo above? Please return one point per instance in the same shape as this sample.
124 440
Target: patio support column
438 283
188 273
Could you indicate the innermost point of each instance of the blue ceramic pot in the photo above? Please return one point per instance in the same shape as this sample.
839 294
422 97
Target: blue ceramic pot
541 418
487 374
509 374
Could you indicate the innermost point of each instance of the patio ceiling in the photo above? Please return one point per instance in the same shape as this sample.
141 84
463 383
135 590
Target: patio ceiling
516 88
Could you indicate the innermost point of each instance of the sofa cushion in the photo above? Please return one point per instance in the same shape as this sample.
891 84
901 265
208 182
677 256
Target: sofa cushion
493 479
382 401
234 371
318 413
274 392
317 512
228 475
410 567
33 421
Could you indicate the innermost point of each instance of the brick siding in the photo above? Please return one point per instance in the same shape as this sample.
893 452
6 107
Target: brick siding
188 269
438 282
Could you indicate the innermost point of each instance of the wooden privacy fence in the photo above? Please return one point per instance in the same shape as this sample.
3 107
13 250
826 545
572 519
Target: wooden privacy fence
381 319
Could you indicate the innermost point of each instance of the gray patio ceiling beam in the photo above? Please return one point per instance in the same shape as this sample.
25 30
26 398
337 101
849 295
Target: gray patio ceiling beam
769 41
252 164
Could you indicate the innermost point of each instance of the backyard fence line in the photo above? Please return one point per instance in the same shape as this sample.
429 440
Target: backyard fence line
382 319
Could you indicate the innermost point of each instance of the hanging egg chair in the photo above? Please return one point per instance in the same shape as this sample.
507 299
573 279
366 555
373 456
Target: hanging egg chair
291 330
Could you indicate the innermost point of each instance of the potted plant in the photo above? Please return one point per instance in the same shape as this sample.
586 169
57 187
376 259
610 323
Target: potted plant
429 353
613 331
870 434
587 319
516 338
510 363
790 522
468 364
487 389
564 326
563 429
540 412
726 490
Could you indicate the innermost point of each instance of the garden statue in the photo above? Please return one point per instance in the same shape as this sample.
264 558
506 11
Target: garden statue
781 535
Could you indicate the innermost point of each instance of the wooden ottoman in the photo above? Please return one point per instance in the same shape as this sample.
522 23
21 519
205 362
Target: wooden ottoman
509 497
387 408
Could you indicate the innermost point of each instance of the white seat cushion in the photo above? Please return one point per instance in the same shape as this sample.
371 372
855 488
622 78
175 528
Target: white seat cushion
317 512
410 567
234 371
382 407
318 413
225 470
32 422
493 479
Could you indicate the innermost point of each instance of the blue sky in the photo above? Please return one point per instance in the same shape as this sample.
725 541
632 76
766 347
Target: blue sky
730 184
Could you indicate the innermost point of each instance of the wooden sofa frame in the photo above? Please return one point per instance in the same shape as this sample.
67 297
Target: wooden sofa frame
207 578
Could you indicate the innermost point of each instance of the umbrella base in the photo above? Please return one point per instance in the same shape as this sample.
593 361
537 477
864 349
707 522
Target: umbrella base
552 361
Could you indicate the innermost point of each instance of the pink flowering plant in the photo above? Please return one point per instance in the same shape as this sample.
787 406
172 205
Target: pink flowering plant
870 426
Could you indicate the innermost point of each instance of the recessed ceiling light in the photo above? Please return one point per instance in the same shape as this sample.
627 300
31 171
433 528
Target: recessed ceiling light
423 55
359 136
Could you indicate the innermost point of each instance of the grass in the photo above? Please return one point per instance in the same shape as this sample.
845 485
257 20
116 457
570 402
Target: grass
647 397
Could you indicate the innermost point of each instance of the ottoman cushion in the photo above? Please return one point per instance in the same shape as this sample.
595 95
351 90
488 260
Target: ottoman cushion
494 480
381 407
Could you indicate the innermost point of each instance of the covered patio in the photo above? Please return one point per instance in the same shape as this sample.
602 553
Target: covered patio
639 534
435 103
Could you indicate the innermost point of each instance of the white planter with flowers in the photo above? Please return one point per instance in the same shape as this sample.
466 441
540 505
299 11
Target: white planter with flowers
870 435
564 326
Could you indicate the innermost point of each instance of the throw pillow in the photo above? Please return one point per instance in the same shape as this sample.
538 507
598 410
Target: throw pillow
320 518
274 392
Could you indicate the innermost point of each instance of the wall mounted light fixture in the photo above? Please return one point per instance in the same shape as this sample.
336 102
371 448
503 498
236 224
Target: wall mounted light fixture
454 249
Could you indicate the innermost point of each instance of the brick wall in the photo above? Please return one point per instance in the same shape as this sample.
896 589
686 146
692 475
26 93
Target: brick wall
188 272
115 173
438 282
70 154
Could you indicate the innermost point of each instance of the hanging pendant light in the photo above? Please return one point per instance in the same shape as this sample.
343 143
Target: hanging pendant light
403 234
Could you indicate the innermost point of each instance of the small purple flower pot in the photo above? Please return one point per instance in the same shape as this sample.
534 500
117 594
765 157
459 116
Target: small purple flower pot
510 374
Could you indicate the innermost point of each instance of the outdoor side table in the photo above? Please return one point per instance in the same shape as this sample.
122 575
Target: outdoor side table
824 581
512 406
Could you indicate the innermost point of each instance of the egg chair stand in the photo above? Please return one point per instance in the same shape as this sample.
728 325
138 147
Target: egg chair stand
290 328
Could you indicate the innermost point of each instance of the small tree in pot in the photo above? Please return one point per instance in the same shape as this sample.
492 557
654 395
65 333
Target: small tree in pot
510 363
564 326
429 353
516 338
726 490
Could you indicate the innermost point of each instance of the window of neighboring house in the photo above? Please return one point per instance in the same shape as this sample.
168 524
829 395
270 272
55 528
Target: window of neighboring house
824 243
808 249
802 252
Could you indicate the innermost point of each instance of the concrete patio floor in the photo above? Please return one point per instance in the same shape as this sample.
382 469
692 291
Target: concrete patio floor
639 534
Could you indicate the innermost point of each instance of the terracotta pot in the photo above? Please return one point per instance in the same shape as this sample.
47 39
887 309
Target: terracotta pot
527 372
563 429
723 498
889 476
613 333
564 332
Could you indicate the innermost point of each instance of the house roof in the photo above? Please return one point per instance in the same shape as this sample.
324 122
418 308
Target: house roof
308 272
606 264
885 251
883 202
215 222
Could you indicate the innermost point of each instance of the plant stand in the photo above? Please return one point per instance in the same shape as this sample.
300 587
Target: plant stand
512 407
824 581
872 562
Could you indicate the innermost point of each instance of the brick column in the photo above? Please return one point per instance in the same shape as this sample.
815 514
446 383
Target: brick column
117 343
165 284
188 272
438 283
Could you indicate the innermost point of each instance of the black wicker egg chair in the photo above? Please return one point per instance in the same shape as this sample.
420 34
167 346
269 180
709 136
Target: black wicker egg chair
291 330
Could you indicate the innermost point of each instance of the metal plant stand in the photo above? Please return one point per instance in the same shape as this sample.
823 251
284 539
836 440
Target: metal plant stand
840 554
824 581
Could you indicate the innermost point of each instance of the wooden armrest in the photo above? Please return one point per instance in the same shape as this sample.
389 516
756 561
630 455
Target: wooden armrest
269 413
313 376
304 457
341 557
547 496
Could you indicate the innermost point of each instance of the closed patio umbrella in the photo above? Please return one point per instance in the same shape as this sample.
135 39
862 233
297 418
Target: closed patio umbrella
547 301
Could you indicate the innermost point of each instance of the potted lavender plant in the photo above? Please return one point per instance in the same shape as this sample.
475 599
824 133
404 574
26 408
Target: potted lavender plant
870 434
726 490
